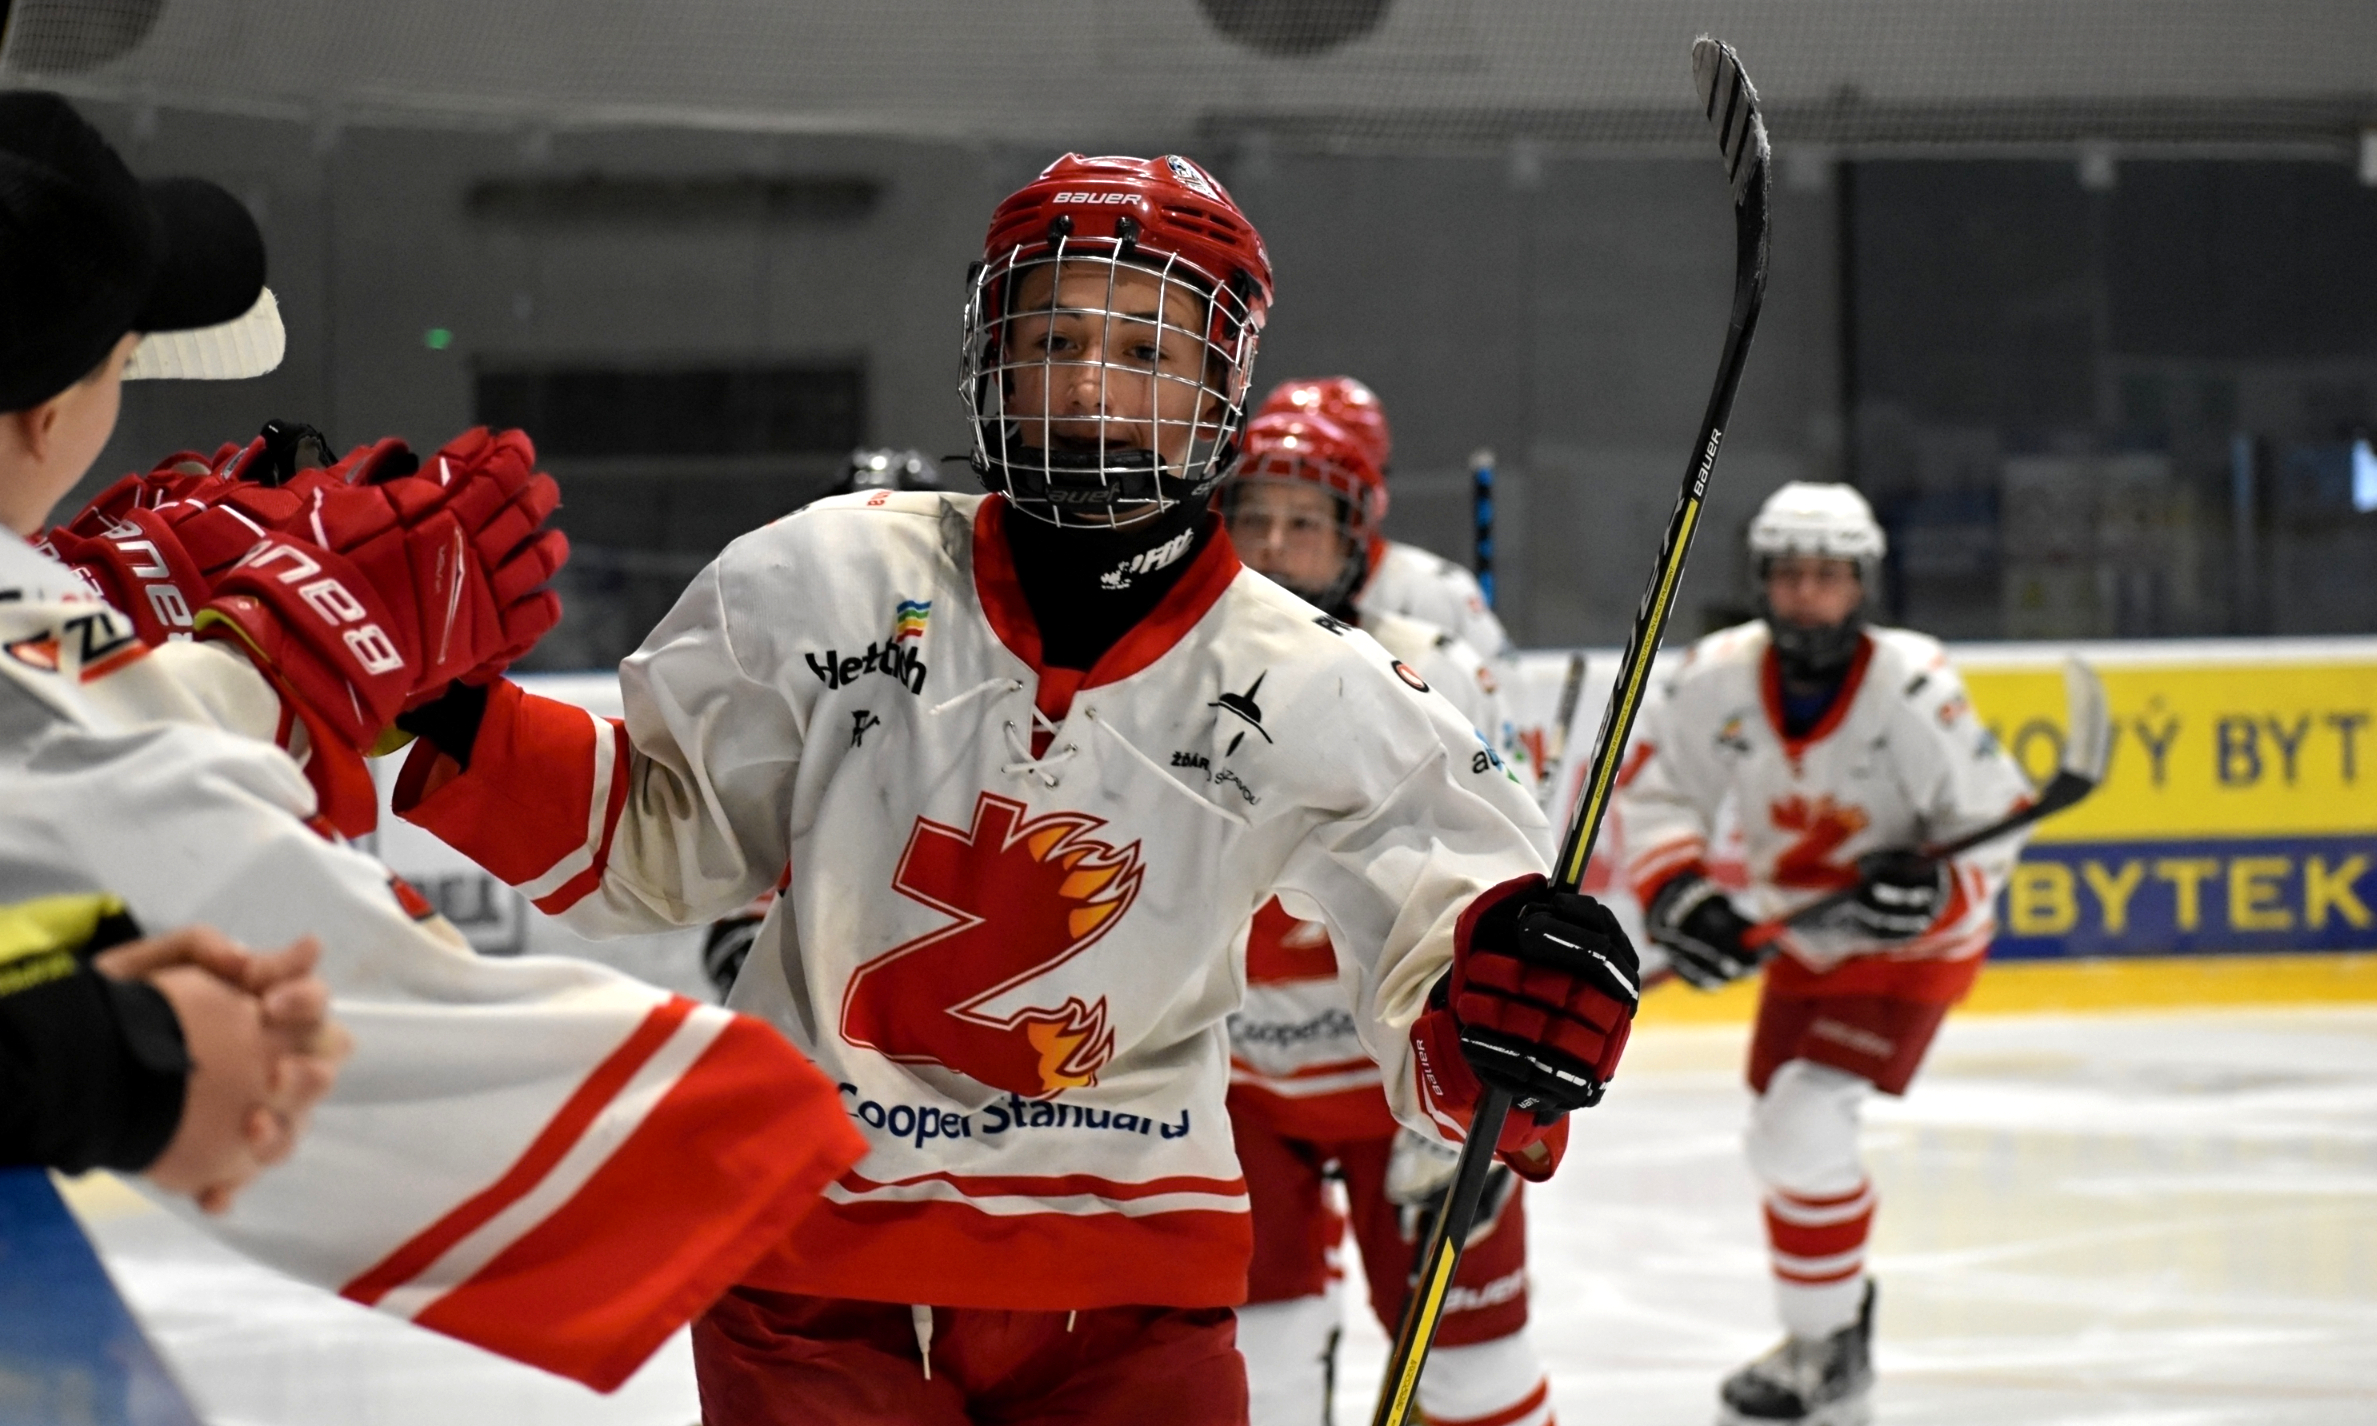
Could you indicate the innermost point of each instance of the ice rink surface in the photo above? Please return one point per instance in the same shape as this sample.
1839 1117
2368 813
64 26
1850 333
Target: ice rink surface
2135 1220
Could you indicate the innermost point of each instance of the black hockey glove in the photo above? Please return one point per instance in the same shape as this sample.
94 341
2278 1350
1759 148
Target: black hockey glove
1692 917
1899 896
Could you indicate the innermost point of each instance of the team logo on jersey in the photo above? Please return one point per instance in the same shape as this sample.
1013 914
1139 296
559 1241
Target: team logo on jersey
1027 896
1824 826
1734 736
897 657
1246 710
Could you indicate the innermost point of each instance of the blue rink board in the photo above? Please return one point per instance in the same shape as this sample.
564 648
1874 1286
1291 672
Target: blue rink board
2224 896
70 1352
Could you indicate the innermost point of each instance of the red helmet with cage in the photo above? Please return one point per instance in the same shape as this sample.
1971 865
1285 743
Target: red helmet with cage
1299 448
1111 329
1344 400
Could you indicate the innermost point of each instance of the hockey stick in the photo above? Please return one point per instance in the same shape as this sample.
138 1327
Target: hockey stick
1731 105
2087 747
1481 510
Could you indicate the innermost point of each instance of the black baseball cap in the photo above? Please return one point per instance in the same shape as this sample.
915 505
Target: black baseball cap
88 253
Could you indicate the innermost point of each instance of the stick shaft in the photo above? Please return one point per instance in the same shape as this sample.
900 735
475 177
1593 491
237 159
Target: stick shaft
1443 1255
1481 510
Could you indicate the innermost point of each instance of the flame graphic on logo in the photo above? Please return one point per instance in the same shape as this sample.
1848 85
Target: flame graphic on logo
1027 898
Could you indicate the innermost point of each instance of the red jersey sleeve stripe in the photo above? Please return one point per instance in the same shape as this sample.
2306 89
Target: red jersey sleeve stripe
655 1235
577 1114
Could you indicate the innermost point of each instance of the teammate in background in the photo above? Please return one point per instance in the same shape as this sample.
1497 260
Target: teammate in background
1306 1101
728 941
1034 759
1845 748
182 1056
1400 578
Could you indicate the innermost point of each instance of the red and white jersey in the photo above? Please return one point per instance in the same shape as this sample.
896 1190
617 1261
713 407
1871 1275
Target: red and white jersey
539 1156
1407 580
1014 924
1296 1054
1899 760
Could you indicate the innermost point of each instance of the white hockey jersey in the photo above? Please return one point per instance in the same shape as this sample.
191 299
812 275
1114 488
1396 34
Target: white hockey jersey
1018 895
1900 759
1296 1057
1410 581
538 1156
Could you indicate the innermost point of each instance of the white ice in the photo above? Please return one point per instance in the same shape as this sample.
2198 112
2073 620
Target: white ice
2146 1220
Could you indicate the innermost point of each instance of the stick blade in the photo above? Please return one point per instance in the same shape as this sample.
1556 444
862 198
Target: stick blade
2088 734
1731 103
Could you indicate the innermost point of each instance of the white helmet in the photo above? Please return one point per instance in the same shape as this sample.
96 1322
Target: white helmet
1829 521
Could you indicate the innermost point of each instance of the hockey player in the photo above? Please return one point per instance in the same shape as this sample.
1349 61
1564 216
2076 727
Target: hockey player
1034 759
1844 748
1305 1097
181 1055
492 1166
1401 578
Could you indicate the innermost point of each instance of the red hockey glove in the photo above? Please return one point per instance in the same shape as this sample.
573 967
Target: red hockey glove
1539 1003
152 545
376 597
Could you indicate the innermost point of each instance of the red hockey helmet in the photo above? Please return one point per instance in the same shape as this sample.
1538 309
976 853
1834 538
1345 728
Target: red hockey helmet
1299 448
1110 339
1344 400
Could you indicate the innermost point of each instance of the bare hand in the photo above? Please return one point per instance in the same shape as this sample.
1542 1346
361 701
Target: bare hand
262 1047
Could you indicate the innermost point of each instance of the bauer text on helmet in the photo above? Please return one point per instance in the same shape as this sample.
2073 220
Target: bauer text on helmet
1110 336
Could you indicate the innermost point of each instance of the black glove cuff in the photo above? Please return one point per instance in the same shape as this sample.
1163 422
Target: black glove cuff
449 722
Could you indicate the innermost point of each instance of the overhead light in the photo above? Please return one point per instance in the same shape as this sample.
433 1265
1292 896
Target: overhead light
2364 476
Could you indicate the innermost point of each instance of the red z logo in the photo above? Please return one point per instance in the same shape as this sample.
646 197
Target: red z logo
1027 899
1822 828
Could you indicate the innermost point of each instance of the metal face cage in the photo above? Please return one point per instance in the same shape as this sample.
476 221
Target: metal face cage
1105 383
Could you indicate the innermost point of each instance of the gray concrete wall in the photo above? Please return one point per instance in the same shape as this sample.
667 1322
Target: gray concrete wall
1566 313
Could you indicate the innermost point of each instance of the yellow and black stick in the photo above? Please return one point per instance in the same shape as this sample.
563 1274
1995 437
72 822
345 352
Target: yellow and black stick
1732 109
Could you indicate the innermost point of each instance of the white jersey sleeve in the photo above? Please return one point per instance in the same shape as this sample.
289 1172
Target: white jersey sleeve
1410 581
527 1129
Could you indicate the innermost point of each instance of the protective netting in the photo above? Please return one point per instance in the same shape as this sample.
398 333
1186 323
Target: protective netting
1856 76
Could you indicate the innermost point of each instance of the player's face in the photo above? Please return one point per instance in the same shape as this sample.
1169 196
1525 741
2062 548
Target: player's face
1813 592
47 448
1289 531
1105 358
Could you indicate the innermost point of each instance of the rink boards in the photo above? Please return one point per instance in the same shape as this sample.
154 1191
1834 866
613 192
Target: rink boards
2231 854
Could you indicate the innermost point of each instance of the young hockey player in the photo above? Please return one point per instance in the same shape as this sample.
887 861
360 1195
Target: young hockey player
1034 759
1305 1097
180 1056
1401 578
538 1156
1844 748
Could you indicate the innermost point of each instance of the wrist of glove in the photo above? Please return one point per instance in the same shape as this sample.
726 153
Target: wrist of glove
1694 919
1899 896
